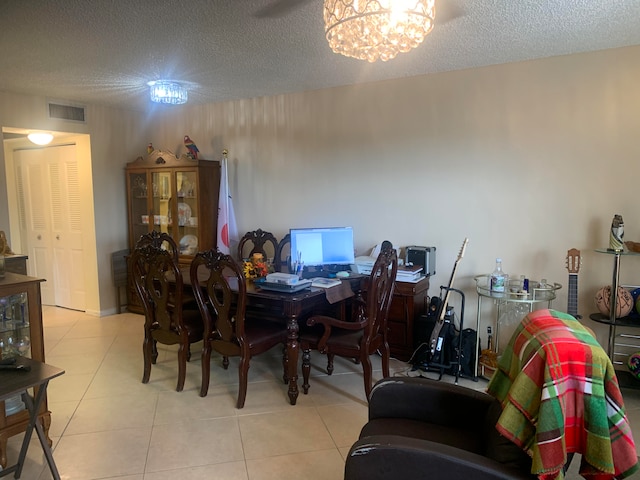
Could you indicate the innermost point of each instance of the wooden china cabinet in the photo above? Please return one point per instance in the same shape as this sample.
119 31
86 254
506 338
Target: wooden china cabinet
178 196
21 334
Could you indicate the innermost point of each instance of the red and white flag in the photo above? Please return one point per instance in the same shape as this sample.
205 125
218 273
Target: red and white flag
227 234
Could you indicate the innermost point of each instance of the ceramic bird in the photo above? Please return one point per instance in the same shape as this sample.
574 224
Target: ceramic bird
149 148
193 150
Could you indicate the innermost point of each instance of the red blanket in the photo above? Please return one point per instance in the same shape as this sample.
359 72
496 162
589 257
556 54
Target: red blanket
560 394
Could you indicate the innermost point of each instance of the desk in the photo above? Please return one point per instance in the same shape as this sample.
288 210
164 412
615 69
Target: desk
290 308
560 395
14 382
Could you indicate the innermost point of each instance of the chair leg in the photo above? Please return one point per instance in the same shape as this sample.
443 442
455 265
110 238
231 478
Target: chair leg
147 355
154 351
189 353
366 371
306 368
285 365
243 373
385 360
330 363
182 366
225 362
206 369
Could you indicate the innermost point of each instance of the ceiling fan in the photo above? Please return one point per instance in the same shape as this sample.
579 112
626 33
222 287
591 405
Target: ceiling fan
447 10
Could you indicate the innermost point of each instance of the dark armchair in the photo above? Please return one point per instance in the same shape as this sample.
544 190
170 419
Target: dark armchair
424 429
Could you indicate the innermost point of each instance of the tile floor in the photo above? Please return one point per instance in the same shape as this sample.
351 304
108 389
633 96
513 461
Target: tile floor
107 425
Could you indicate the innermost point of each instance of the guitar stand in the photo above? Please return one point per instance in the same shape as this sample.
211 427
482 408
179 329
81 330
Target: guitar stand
456 365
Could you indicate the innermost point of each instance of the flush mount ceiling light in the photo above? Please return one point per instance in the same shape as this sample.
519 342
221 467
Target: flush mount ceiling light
40 138
377 29
165 91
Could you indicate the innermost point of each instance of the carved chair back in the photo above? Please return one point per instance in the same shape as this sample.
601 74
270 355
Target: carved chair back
260 242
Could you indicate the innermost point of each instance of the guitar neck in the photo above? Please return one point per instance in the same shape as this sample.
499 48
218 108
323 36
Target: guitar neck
572 302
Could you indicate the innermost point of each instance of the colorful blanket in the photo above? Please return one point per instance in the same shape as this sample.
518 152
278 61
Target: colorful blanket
560 395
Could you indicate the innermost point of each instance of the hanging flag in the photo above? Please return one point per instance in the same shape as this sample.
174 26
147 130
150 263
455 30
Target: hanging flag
227 235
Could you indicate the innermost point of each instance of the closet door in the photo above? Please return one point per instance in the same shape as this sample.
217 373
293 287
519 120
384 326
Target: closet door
50 190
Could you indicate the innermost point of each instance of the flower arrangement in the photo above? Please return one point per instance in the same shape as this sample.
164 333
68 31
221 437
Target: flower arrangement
255 267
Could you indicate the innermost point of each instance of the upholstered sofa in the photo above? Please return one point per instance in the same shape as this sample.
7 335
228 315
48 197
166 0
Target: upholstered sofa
425 429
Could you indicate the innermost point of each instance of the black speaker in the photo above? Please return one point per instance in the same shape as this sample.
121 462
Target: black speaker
423 256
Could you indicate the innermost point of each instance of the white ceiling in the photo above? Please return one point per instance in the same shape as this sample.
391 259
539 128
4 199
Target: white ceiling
105 51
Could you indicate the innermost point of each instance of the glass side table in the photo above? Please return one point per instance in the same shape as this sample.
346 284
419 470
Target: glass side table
522 302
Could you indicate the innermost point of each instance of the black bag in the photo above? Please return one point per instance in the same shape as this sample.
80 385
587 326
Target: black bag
468 353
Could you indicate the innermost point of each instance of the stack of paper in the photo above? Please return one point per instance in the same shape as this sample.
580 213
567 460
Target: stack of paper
409 273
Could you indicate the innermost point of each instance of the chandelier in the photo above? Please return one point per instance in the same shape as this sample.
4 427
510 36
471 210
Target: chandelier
377 29
165 91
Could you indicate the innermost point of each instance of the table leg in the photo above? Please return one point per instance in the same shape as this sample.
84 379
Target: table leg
33 407
293 348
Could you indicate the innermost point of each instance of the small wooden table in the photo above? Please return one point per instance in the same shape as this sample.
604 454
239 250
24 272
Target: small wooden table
13 382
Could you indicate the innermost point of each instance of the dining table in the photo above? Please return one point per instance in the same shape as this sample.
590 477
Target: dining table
292 308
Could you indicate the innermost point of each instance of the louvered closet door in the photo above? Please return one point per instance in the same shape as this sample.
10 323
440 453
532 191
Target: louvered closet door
50 186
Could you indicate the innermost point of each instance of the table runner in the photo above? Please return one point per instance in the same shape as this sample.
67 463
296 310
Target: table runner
560 395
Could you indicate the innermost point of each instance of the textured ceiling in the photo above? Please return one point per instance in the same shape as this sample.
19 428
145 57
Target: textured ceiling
105 51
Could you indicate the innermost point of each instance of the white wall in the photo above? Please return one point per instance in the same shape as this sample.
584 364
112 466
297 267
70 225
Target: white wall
527 160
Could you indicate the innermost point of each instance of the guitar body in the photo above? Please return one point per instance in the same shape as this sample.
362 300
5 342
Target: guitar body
439 333
573 263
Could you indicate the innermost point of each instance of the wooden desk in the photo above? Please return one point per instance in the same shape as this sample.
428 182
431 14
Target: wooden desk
13 382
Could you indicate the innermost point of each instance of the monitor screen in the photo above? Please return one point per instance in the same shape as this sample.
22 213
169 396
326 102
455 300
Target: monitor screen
322 246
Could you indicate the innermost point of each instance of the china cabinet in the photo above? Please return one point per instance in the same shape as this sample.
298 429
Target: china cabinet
20 335
178 196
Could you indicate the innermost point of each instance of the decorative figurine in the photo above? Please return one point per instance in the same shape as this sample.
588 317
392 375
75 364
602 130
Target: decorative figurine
5 249
149 149
193 150
617 234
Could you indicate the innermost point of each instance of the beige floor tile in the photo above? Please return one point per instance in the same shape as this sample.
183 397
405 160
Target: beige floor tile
175 407
221 471
69 387
103 454
344 422
195 443
76 364
62 413
113 413
318 465
80 346
298 429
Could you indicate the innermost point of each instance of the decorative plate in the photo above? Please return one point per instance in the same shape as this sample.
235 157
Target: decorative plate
184 214
189 245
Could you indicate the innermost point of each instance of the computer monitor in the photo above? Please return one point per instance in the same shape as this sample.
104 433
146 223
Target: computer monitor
321 247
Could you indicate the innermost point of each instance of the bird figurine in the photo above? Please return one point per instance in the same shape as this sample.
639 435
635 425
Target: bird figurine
193 150
149 148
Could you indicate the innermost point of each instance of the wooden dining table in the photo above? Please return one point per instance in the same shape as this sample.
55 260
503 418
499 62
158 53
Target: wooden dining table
292 308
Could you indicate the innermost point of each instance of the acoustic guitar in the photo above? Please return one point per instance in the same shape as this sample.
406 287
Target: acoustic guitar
573 263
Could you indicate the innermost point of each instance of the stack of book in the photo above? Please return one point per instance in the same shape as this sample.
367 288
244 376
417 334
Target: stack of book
409 273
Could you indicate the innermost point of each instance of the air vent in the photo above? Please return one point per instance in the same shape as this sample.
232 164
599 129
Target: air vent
66 112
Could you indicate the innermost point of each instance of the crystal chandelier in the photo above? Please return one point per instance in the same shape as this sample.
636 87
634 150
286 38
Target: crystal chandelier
165 91
377 29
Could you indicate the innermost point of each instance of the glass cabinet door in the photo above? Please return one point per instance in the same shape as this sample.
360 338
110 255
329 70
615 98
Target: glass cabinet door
187 224
15 338
139 195
162 196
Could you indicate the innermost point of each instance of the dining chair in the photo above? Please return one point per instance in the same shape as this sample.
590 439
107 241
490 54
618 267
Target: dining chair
281 264
260 241
221 293
365 333
161 240
159 284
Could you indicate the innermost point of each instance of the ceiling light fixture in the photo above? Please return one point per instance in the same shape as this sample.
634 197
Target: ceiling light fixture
377 29
166 91
40 138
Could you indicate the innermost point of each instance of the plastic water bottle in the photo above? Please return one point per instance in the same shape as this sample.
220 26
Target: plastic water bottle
498 278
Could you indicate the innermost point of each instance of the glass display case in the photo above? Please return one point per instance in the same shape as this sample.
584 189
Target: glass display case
178 196
20 335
